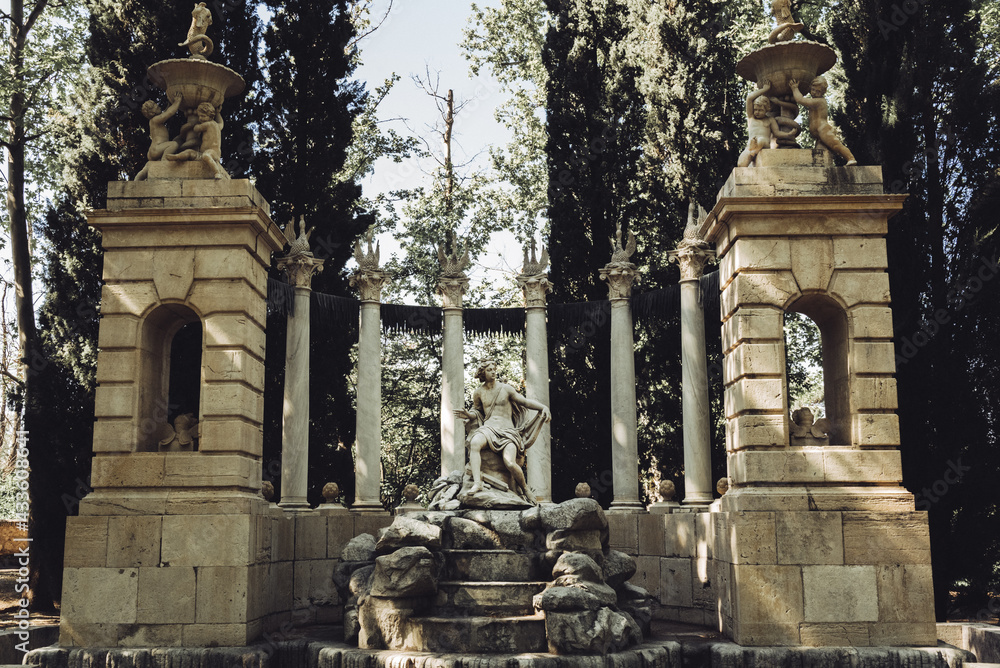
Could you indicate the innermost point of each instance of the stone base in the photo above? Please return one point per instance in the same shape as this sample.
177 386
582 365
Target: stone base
686 653
188 169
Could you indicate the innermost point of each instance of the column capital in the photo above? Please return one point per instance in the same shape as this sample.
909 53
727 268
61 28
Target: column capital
452 289
620 276
691 256
535 288
369 279
300 268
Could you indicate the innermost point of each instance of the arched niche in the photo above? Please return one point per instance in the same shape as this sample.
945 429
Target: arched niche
170 380
831 319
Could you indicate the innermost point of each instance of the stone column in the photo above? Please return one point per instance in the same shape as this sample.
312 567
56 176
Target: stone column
300 266
369 280
451 286
691 255
535 284
620 274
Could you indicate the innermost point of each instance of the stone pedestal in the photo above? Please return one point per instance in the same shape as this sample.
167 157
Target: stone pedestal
169 548
815 544
624 428
300 269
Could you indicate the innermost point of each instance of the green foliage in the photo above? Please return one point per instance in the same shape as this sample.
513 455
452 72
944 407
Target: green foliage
804 363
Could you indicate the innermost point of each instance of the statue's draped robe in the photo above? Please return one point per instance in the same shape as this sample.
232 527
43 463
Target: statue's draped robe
522 435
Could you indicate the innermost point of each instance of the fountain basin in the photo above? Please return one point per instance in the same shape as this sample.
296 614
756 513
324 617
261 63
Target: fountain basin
780 62
197 80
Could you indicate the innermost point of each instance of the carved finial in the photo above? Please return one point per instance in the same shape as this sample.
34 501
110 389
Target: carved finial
453 265
197 42
619 253
533 264
691 232
298 245
367 261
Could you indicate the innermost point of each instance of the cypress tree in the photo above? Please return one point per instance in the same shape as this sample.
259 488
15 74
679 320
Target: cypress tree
307 119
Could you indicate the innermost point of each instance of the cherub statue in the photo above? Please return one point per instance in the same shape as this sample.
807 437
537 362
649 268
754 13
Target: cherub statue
197 42
760 127
181 436
807 432
819 121
210 130
160 143
781 10
498 409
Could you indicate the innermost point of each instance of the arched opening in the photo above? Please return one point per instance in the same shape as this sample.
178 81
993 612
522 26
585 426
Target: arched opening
170 382
816 355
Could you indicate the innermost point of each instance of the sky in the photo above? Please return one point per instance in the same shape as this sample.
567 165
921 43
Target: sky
415 38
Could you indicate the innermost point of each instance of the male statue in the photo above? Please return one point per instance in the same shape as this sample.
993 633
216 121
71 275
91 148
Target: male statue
499 410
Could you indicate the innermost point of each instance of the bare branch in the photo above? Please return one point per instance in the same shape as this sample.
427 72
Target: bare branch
33 16
353 42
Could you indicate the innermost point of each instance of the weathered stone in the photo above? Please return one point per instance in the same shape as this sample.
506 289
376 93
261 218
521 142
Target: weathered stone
465 534
407 532
603 592
574 541
508 528
624 631
641 613
618 568
407 572
578 565
579 632
575 514
352 625
360 583
562 599
359 548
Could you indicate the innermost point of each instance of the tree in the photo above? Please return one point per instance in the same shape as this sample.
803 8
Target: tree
309 110
923 105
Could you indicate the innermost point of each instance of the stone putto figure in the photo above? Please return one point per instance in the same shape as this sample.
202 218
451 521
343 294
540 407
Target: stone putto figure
819 121
498 410
181 436
160 143
209 127
761 127
781 10
806 432
197 42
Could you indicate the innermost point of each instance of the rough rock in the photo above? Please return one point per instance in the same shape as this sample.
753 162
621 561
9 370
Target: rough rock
587 632
564 599
605 594
618 568
352 626
625 632
407 572
629 592
466 534
359 548
574 541
641 613
579 565
360 582
493 499
383 623
408 532
575 514
508 527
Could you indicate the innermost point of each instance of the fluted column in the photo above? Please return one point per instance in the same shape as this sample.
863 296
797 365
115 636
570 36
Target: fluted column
691 255
535 284
369 280
620 274
300 266
451 286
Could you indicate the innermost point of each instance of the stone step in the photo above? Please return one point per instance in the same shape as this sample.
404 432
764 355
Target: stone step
486 598
491 566
477 635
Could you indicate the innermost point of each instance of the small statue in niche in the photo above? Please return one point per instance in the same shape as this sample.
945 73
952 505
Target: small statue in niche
806 432
209 126
198 43
761 127
781 10
181 436
160 144
501 425
819 121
